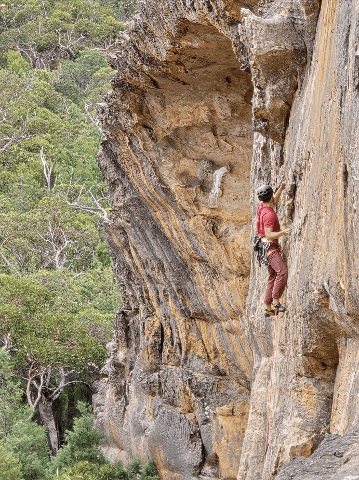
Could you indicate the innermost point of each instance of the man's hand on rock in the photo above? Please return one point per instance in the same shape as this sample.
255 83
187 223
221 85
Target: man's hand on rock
278 194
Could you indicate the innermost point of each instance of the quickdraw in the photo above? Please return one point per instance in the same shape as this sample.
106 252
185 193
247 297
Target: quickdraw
261 248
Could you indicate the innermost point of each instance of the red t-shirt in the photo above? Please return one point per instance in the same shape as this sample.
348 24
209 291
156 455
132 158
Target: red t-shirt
267 218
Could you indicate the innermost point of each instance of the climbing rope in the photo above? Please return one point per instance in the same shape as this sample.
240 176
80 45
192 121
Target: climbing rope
270 387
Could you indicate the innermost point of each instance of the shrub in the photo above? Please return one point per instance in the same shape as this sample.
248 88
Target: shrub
136 470
83 443
10 468
27 442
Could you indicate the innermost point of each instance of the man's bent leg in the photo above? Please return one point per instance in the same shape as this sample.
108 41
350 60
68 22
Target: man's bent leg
277 264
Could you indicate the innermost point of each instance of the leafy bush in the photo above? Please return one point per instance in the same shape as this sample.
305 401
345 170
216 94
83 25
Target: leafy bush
15 62
10 468
24 441
90 471
27 442
83 443
11 407
136 470
37 28
81 458
75 77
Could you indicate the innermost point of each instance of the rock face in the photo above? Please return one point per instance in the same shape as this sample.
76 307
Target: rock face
210 99
337 458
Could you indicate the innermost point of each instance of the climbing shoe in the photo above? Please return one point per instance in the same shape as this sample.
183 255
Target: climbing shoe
269 313
279 308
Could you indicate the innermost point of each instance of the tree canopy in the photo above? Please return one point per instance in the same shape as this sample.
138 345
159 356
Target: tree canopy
58 297
44 32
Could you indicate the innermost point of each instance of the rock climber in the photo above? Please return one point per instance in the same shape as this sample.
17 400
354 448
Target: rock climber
268 229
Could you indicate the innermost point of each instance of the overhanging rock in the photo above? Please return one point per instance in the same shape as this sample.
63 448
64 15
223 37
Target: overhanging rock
268 91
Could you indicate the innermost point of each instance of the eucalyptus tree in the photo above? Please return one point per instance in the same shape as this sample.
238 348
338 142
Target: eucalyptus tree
45 32
56 335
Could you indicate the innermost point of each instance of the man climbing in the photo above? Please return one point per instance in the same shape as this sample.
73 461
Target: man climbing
268 229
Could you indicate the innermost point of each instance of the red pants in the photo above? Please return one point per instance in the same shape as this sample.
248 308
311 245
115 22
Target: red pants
277 277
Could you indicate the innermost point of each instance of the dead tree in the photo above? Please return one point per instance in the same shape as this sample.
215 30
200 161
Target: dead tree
22 135
96 208
94 119
58 241
47 168
10 140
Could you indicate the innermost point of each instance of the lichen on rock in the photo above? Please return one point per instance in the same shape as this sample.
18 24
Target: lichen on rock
268 91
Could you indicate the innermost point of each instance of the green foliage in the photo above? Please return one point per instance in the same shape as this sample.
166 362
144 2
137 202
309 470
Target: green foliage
44 330
103 254
137 470
10 468
58 297
124 9
47 31
21 438
15 63
67 293
81 471
29 208
26 456
83 443
64 407
46 120
75 77
81 458
148 471
89 471
27 442
11 407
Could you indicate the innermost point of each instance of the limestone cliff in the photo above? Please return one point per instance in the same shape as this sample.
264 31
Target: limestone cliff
210 99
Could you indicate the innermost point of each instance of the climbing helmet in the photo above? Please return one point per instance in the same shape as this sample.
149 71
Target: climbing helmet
265 193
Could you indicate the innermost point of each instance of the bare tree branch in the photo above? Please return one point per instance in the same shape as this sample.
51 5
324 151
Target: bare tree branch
48 377
15 138
11 140
96 210
8 343
79 274
4 116
7 239
47 170
31 381
2 256
59 242
94 120
54 396
9 264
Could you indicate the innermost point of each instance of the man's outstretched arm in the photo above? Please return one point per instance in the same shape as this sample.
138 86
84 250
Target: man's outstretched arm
278 194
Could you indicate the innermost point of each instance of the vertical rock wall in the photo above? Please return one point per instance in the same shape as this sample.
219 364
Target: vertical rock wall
211 99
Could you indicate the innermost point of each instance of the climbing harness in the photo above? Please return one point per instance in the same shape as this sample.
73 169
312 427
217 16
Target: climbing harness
261 248
270 387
